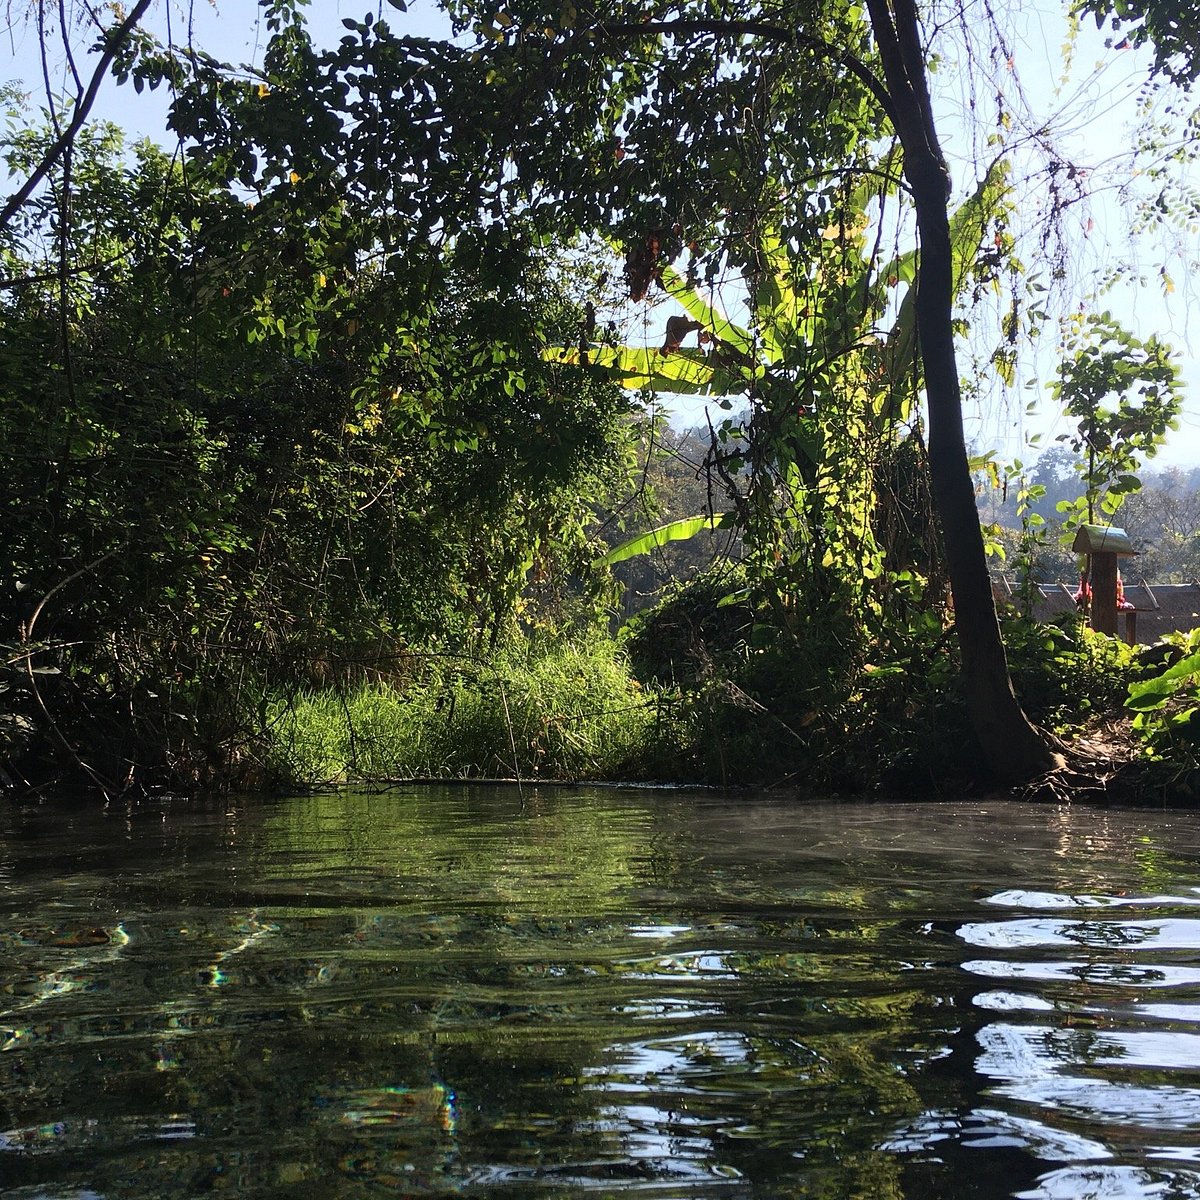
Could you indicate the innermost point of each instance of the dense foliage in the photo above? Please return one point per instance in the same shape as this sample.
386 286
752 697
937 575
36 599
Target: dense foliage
329 402
222 482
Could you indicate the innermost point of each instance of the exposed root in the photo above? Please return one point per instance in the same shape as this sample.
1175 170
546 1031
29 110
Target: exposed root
1106 765
1097 767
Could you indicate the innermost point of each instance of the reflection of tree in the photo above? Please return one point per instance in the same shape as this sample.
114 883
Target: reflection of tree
339 995
1114 854
344 992
569 858
1108 933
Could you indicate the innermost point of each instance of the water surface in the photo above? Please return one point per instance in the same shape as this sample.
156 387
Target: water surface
590 993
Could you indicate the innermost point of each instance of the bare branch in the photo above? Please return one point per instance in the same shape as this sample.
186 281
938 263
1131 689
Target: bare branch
83 107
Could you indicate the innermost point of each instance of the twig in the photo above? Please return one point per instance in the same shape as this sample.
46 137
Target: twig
64 747
83 108
511 740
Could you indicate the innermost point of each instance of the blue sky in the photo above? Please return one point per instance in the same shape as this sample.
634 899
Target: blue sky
1091 108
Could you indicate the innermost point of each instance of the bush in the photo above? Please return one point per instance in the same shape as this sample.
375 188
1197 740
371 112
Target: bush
805 701
838 711
1066 672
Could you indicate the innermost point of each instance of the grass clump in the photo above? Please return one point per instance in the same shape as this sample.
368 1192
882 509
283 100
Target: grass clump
568 711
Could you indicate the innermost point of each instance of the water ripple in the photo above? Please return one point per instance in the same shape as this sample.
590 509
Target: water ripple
1166 933
466 992
1022 898
1113 1183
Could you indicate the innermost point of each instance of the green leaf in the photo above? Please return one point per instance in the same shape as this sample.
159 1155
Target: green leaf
684 373
733 598
699 310
673 531
777 304
1149 693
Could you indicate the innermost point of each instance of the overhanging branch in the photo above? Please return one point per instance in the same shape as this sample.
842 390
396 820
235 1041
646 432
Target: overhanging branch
83 107
760 29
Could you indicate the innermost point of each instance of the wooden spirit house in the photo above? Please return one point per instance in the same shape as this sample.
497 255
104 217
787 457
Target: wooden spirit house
1104 545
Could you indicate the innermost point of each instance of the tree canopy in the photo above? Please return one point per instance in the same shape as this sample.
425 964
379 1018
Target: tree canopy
238 463
382 212
1170 28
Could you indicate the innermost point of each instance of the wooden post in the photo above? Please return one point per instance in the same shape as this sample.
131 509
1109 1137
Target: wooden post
1103 575
1102 544
1131 626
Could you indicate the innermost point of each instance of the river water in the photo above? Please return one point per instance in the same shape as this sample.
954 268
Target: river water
463 991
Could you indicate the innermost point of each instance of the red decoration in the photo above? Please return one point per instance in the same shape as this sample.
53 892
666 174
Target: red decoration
1123 605
1083 597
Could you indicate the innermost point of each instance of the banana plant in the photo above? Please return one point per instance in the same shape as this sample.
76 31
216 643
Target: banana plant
672 531
795 310
826 380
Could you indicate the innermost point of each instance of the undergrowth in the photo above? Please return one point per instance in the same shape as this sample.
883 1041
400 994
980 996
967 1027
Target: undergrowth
1066 673
694 694
827 712
567 712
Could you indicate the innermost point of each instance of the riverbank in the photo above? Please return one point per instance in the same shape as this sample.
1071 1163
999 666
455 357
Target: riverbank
706 714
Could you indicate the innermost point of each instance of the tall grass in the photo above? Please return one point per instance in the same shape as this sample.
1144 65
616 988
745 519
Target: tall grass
572 711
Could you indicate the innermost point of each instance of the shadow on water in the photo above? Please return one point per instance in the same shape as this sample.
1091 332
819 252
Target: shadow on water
457 991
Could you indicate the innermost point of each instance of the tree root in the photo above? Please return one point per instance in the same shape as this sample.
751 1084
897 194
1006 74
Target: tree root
1104 765
1090 766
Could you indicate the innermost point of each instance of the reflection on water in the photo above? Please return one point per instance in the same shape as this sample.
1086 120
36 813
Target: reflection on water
460 991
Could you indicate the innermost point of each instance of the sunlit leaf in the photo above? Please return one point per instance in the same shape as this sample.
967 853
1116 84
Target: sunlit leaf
673 531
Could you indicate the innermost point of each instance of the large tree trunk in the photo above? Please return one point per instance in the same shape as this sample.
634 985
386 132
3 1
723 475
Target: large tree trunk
1013 749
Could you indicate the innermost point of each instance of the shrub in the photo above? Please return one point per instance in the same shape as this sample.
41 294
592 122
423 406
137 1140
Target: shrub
1065 672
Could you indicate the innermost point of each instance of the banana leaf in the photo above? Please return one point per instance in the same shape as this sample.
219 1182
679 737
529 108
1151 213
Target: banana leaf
699 309
673 531
683 373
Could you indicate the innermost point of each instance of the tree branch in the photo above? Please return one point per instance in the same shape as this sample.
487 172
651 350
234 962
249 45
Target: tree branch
83 106
55 275
760 29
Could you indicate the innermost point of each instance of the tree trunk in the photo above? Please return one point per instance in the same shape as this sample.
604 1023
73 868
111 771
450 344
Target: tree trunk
1013 749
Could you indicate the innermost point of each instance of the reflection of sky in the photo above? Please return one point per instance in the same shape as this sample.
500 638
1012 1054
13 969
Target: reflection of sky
1124 1070
1023 898
58 1136
1169 933
1035 1060
1113 1183
659 1077
1139 975
990 1128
